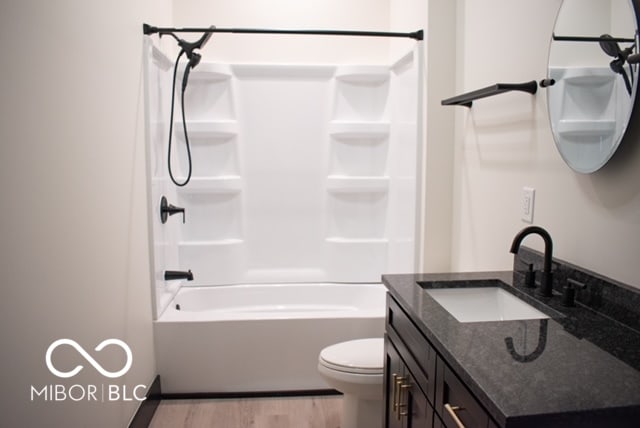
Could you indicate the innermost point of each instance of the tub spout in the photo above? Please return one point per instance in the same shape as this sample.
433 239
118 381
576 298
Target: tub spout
170 275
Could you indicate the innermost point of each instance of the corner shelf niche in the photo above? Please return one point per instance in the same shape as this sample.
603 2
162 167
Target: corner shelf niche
586 128
205 129
359 74
209 94
212 243
214 148
351 184
210 72
361 93
359 130
207 185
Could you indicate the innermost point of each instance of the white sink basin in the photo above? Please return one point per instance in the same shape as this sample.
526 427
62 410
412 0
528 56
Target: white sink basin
477 304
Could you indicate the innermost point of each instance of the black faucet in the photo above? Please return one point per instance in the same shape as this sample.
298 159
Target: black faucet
547 277
170 275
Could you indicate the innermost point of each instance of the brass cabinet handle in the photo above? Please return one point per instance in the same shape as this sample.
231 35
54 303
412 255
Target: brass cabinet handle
452 412
397 390
403 387
394 380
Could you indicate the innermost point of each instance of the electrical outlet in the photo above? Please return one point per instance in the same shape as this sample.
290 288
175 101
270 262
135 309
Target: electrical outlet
528 199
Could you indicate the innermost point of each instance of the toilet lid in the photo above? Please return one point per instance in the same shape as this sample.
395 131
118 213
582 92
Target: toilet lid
365 356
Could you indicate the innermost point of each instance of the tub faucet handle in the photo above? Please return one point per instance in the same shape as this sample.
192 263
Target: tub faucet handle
167 209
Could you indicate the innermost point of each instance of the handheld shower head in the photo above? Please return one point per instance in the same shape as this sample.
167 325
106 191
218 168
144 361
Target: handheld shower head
193 61
611 48
186 48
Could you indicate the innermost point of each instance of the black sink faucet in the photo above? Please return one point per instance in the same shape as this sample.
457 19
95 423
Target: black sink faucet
547 278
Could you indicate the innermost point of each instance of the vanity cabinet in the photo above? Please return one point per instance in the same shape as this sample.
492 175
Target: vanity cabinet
420 389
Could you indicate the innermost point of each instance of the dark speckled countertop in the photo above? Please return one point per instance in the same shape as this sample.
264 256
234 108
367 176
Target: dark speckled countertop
583 371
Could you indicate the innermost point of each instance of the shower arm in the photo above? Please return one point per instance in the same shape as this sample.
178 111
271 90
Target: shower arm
149 30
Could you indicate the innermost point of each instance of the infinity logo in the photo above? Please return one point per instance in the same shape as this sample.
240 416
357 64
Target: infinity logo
88 357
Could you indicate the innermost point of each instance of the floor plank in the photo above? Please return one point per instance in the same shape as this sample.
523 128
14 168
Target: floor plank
276 412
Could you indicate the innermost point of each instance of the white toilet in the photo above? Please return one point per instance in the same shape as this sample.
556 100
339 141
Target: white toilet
355 368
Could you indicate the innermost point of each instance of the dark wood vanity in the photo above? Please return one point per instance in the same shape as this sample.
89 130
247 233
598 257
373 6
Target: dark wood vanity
439 372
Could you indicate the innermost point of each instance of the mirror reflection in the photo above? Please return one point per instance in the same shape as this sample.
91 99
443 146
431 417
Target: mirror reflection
591 102
527 355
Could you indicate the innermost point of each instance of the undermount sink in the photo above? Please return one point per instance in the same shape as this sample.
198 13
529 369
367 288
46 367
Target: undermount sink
477 304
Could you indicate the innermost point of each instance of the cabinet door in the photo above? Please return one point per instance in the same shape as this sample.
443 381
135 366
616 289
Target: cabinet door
394 372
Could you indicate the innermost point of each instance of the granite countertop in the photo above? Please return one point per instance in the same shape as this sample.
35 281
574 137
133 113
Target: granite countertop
578 368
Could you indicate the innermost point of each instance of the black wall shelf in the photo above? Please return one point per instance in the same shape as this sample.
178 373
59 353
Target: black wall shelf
468 98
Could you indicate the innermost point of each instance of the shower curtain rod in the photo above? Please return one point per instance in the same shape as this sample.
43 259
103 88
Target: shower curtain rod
148 30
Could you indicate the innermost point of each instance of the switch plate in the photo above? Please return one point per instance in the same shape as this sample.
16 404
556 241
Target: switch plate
528 199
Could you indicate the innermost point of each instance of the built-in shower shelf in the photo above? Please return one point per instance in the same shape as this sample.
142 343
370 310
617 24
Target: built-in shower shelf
592 128
345 184
339 240
222 184
372 74
359 130
210 72
212 243
200 129
590 78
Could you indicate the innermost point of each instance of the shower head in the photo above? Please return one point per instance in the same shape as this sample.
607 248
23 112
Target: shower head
193 57
609 47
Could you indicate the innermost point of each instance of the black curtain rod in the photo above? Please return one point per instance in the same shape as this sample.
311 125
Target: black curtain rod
591 39
148 30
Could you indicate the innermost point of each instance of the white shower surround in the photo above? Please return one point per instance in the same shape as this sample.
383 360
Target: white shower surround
301 173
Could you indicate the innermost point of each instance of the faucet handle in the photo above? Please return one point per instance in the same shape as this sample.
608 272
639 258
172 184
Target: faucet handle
569 292
530 277
167 209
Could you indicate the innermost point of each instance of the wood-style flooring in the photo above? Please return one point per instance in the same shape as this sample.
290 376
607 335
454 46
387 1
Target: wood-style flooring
276 412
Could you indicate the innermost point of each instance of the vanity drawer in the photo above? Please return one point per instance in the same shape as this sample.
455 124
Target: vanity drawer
454 400
423 361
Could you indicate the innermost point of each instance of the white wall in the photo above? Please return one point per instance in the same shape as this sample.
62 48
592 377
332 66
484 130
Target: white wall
289 14
74 232
504 143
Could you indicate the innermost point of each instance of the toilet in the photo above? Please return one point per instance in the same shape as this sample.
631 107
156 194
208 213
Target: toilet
355 368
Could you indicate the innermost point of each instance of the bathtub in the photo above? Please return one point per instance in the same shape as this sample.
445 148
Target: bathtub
262 337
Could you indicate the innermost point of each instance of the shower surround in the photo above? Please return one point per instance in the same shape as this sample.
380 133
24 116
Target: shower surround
301 174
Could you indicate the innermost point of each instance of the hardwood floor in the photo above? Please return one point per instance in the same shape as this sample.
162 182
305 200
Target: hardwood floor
280 412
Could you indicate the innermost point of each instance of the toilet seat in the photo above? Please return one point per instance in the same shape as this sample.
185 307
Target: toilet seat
362 356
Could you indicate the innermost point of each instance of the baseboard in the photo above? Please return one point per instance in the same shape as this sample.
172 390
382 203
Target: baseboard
148 407
154 395
249 394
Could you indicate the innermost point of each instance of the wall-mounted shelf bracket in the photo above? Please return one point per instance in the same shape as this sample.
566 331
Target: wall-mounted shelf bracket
468 98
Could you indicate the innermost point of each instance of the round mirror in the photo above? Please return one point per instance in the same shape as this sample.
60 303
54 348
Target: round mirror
593 85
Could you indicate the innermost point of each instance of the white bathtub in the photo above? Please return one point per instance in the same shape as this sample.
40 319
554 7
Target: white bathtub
256 338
